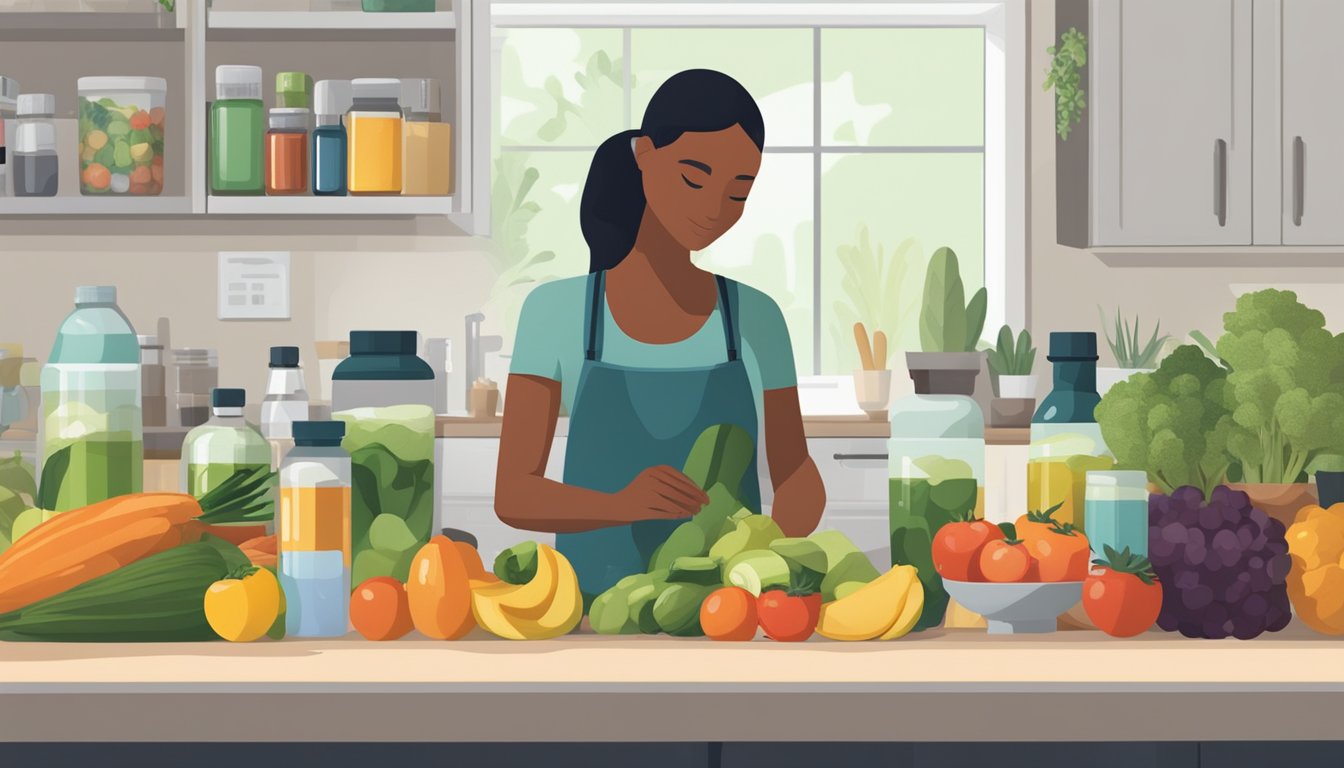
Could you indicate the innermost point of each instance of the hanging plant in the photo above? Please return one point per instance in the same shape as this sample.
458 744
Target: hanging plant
1064 75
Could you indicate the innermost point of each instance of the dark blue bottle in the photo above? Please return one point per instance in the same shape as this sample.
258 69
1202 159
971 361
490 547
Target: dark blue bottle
329 160
331 100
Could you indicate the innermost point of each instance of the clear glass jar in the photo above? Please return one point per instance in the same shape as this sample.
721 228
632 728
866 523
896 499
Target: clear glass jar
385 393
197 377
153 385
224 446
92 432
314 540
1117 511
36 167
121 130
936 461
1066 440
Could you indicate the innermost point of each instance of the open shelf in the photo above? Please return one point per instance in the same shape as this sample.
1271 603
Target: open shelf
350 205
130 205
336 20
65 26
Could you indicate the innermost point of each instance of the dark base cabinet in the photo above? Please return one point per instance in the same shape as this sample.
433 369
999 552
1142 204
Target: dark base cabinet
689 755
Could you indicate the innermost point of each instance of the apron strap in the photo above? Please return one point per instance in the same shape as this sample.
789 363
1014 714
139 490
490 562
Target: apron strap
597 301
727 300
593 320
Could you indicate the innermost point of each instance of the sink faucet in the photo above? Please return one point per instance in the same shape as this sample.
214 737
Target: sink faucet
476 348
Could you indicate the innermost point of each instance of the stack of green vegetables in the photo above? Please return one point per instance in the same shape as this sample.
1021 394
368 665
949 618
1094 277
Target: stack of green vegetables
725 544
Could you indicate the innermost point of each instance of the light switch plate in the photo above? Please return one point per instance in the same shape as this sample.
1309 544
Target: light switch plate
253 285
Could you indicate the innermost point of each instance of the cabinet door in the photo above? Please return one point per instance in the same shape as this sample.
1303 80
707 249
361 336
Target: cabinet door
1313 123
1171 112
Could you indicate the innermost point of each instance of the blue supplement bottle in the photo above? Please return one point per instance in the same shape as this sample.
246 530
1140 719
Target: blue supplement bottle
331 100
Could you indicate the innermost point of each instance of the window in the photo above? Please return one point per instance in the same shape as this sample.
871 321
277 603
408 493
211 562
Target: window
886 136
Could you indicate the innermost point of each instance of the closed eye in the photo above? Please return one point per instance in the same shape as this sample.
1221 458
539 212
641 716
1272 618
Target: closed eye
690 183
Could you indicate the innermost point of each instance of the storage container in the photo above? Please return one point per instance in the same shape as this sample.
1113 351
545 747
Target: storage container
121 135
1117 512
153 394
314 531
287 152
197 376
385 393
331 100
9 104
427 147
237 129
225 446
91 433
36 168
374 128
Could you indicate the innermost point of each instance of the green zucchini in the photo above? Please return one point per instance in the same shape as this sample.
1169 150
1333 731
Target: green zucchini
158 599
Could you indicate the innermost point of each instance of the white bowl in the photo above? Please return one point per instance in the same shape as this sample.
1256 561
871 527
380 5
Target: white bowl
1017 607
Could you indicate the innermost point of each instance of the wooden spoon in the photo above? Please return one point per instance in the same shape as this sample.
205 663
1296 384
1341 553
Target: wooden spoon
880 350
865 351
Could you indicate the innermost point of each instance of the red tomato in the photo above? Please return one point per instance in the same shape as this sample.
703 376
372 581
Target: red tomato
729 614
1063 553
1003 560
1121 604
956 549
380 610
788 618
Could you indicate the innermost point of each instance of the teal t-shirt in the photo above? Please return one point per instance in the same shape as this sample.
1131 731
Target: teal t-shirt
550 341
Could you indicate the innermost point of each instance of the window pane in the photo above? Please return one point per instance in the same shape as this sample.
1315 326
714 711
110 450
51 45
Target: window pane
775 65
536 235
903 87
560 86
770 248
909 205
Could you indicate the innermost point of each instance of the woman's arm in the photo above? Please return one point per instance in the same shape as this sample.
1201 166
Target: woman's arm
800 496
525 498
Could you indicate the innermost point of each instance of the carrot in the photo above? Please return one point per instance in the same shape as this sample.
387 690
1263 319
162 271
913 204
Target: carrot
261 544
95 523
236 534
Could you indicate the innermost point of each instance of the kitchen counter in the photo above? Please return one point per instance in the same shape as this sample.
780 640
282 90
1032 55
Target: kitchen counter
942 685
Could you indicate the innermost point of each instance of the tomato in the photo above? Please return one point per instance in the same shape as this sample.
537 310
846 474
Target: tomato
379 609
1121 604
729 614
1036 524
242 607
956 548
1005 560
788 618
1063 554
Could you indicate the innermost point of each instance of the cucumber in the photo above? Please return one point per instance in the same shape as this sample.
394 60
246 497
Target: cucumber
158 599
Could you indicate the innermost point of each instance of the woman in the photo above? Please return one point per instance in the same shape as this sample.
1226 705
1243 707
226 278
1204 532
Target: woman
648 350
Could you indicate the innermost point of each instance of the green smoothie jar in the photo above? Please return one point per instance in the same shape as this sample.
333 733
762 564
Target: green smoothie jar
91 433
227 452
385 393
936 459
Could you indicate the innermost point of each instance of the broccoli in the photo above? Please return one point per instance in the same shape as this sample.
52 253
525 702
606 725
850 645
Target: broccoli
1285 391
1171 423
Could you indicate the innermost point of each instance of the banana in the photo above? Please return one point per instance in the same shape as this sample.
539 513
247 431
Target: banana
914 606
870 611
548 606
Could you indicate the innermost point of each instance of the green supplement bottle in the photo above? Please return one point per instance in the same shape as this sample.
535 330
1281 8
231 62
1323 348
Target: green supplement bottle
225 446
237 132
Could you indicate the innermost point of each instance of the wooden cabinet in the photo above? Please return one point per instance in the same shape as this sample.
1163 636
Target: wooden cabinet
1163 156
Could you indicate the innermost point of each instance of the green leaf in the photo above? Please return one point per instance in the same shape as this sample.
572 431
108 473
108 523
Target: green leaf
53 474
517 564
15 475
975 319
942 322
552 129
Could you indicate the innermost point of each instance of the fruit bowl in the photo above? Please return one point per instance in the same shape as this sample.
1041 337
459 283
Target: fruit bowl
1017 608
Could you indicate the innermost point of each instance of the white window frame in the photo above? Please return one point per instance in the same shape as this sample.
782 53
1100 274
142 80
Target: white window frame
1005 94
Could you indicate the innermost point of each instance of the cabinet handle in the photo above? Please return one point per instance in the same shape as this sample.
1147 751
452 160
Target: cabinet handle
1220 181
1299 180
860 457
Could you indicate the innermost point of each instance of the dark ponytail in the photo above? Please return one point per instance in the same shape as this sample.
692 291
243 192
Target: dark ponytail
696 100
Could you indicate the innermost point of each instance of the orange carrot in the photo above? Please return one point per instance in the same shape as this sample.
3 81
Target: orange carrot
261 544
236 534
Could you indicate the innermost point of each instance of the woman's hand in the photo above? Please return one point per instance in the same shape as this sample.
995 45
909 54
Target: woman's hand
658 493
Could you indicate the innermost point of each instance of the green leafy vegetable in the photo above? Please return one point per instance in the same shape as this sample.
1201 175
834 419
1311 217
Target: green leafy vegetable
1065 76
53 475
721 455
517 564
1171 423
1285 389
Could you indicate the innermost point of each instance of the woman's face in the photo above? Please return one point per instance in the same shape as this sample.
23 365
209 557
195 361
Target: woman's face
696 186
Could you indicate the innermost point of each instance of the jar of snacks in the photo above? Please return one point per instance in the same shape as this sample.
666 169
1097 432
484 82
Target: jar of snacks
121 128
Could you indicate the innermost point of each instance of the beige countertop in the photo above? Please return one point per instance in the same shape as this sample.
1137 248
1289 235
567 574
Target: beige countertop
940 685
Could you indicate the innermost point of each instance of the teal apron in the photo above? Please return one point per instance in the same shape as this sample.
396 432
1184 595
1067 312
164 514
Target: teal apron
625 420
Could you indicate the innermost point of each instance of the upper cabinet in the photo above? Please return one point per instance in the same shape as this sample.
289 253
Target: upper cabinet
1313 123
1207 123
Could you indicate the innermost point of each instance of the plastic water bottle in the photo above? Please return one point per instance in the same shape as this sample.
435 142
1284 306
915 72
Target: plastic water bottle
286 398
315 531
92 433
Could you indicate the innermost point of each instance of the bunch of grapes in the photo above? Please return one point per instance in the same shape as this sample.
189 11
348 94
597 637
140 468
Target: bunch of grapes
1222 565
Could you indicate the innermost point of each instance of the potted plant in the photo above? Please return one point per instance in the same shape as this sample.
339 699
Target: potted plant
949 331
1010 366
1285 394
1132 355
